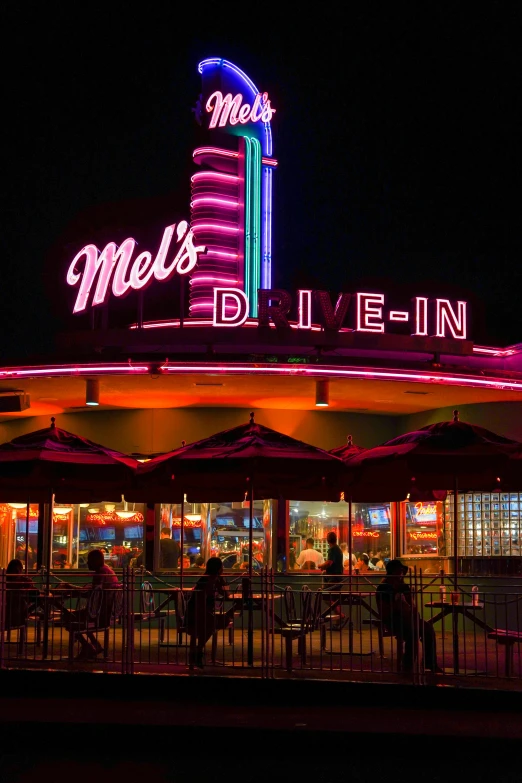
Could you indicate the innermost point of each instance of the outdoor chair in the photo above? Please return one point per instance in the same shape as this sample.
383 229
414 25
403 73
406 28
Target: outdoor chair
507 639
221 612
92 615
149 611
17 617
303 627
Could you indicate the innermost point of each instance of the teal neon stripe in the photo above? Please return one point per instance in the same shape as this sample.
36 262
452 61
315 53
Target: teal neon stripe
256 224
248 218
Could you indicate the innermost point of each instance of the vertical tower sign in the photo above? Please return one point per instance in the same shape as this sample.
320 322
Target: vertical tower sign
231 206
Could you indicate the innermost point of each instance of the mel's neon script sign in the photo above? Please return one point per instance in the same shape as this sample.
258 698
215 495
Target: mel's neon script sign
116 265
226 109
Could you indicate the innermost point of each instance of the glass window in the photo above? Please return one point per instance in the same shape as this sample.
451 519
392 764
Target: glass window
221 529
424 528
371 532
19 537
114 527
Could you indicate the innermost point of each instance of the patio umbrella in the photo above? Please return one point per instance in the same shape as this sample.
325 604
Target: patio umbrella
449 454
53 463
229 463
239 462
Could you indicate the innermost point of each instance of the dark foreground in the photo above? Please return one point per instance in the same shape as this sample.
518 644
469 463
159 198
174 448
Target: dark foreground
96 728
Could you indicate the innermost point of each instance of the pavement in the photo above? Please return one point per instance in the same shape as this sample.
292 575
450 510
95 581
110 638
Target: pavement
67 725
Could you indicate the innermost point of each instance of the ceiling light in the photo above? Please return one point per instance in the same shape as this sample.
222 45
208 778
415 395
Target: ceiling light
18 505
322 394
62 510
110 506
92 392
93 510
125 514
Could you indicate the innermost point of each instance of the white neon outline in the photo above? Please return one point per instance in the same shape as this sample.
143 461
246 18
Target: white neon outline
442 317
240 298
398 315
421 316
305 308
369 312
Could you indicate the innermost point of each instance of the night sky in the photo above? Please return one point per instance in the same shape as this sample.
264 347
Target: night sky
397 136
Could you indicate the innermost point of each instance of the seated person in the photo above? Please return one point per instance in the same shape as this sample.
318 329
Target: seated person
199 563
309 554
363 564
105 578
21 591
201 618
399 613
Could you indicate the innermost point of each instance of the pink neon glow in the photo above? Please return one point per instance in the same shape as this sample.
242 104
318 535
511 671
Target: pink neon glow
216 227
91 369
398 315
223 202
117 260
214 175
337 372
212 279
228 154
221 254
421 316
369 318
456 322
227 109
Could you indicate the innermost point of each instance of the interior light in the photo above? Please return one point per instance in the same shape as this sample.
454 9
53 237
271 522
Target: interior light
125 514
322 394
92 392
62 510
110 507
18 505
93 510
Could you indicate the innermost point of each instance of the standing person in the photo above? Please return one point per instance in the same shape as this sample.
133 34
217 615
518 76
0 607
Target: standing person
333 566
346 557
310 555
169 549
399 613
201 619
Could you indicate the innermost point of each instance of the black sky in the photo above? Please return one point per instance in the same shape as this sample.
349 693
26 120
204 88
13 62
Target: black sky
397 134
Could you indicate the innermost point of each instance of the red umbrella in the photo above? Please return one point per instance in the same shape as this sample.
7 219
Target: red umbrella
349 449
436 457
54 461
229 463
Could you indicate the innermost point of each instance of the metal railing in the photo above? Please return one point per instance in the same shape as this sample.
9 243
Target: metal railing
267 627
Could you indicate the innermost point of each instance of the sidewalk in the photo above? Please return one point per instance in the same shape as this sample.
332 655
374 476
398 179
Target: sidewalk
82 727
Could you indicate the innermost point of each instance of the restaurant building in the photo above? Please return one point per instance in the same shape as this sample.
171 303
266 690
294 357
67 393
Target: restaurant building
313 365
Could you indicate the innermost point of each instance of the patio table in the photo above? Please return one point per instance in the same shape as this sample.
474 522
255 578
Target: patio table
466 609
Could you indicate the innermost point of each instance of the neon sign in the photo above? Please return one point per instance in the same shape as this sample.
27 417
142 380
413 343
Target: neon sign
233 110
423 536
231 307
115 263
365 534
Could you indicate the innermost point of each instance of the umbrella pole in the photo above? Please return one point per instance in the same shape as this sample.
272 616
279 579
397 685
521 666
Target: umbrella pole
455 533
27 510
251 531
182 541
250 631
50 544
350 563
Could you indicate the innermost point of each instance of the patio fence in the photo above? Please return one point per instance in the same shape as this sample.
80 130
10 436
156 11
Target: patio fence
267 627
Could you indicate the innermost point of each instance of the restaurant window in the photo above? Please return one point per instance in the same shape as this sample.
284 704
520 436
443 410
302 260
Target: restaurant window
114 527
220 529
19 534
424 529
371 529
489 523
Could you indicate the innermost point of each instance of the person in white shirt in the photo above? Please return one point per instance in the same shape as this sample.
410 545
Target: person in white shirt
310 555
346 557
